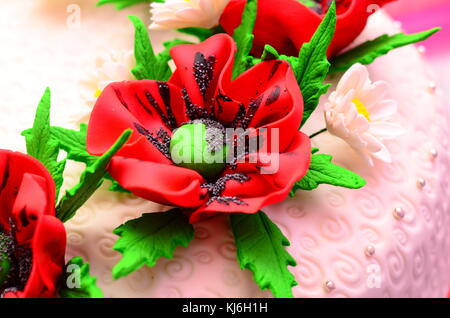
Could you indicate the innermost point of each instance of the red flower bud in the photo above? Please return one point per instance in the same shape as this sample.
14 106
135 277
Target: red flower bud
287 24
37 239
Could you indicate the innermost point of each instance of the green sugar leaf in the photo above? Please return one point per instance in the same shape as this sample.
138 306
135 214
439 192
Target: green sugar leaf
313 64
73 143
122 4
323 171
202 33
40 143
367 52
91 179
77 282
261 249
148 65
115 186
243 36
308 3
154 235
269 53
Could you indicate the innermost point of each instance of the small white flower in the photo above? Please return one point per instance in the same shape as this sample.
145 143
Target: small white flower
113 67
177 14
358 113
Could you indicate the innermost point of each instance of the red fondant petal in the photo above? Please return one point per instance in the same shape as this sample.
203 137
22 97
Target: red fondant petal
39 188
219 50
27 196
122 105
289 24
272 86
29 207
273 23
162 183
48 248
263 189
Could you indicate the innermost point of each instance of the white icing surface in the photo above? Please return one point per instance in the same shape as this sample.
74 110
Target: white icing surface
329 228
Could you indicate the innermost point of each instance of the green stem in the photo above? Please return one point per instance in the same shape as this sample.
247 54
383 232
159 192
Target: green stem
317 133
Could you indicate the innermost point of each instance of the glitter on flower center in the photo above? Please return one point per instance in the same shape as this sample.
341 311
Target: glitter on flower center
5 259
15 262
200 145
361 108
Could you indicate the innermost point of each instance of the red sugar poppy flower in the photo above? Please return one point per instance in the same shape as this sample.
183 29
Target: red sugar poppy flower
201 94
287 24
32 239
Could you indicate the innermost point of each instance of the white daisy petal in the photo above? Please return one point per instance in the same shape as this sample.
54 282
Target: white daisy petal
383 110
373 143
207 5
374 94
176 14
358 112
112 67
383 155
386 130
355 78
189 13
359 124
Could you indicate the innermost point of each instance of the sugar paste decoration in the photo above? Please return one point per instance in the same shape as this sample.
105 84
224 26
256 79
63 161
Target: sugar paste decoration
242 75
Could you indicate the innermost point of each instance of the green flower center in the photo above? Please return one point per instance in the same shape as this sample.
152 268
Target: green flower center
5 260
5 267
200 146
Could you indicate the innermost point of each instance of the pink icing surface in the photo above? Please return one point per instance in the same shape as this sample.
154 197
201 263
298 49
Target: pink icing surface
419 15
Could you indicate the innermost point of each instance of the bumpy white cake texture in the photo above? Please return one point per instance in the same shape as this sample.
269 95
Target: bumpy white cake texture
348 243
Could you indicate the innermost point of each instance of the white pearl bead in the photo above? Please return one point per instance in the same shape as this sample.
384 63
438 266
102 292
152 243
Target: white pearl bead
329 286
370 250
421 49
433 154
432 87
421 183
399 213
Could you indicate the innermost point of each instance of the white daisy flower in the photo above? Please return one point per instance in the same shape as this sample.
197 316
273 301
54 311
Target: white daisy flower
112 67
177 14
358 113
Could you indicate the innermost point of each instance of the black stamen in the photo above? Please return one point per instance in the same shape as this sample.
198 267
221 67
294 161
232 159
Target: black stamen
273 97
163 135
19 257
204 71
275 67
6 175
148 110
193 111
239 116
164 91
226 200
216 189
221 97
120 97
23 217
156 106
162 142
251 111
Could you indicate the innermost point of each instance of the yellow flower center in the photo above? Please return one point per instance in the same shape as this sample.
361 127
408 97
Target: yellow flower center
361 108
98 92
